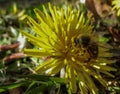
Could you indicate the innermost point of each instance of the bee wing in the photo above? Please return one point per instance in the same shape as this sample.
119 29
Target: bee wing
106 46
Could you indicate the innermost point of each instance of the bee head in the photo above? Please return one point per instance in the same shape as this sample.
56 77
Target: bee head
84 40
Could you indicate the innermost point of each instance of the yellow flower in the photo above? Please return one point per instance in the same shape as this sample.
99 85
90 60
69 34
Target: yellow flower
19 14
56 31
116 6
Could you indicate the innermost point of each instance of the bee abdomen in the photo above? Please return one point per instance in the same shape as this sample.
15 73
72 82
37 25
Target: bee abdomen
93 50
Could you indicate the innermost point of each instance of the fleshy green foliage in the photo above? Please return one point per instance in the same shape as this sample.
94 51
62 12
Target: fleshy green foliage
35 83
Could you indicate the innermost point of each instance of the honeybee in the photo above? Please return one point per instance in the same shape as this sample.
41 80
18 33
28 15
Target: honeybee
90 46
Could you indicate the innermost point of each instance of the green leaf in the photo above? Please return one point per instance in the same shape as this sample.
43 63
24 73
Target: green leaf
39 88
2 65
10 86
36 90
103 39
44 78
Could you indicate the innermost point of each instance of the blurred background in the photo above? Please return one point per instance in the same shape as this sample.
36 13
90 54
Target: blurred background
16 69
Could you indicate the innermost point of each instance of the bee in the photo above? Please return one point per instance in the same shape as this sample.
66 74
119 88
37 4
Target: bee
90 46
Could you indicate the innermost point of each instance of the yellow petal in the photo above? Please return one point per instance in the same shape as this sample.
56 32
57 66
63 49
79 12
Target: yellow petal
57 67
45 66
36 53
72 79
